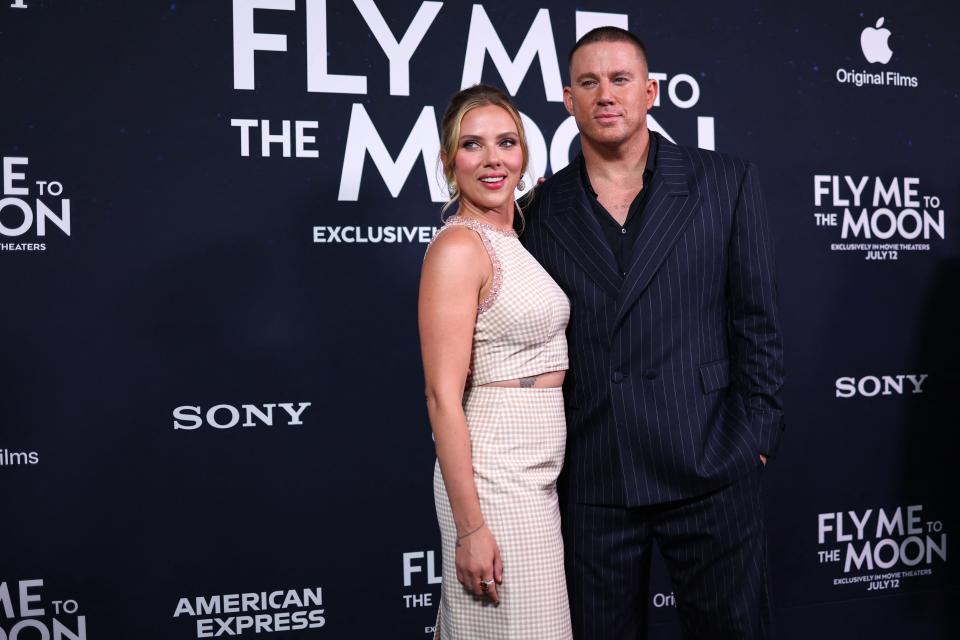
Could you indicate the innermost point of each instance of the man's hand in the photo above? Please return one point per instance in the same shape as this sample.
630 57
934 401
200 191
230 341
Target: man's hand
763 459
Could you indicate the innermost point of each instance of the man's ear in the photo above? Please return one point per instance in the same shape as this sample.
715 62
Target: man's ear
653 88
568 99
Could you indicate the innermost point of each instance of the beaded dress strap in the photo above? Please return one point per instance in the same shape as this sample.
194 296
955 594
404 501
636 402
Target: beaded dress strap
481 229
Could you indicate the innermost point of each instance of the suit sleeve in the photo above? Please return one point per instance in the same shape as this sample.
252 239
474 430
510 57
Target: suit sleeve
754 314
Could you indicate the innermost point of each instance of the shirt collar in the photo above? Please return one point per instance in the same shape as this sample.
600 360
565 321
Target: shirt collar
654 145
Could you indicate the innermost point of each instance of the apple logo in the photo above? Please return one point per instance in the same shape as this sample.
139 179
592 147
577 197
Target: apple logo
873 41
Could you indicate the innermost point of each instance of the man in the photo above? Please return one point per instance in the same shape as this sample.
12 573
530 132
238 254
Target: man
673 392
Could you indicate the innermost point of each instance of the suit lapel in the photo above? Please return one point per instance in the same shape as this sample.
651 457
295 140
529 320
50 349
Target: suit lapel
571 221
673 200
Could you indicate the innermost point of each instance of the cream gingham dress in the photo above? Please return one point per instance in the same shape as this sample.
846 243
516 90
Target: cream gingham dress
517 438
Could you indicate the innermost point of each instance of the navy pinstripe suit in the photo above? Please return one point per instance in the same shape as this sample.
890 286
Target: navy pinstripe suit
673 390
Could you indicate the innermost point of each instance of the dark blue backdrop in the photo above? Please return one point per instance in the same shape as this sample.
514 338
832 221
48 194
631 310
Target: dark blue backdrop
210 370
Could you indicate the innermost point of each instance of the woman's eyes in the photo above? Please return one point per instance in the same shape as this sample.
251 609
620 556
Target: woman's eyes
473 144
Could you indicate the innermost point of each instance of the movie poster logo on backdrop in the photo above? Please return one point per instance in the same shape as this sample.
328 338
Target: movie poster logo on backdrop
421 579
10 458
254 613
881 549
874 43
28 209
661 600
290 138
26 612
872 386
880 218
227 416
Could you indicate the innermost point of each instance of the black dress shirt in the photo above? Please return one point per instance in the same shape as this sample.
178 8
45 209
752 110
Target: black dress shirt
621 238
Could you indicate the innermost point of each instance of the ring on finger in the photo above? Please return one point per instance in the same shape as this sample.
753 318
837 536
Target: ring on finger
485 585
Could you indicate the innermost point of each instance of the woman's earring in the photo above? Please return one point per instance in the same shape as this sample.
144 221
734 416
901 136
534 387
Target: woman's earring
521 185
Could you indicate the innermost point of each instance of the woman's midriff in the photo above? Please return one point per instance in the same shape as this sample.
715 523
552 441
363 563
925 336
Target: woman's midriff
539 381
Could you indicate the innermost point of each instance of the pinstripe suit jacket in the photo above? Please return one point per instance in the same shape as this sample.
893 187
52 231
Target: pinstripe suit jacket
676 366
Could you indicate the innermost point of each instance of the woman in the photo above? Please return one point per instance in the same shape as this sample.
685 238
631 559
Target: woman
492 334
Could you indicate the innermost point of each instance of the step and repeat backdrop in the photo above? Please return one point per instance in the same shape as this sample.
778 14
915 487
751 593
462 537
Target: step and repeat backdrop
212 219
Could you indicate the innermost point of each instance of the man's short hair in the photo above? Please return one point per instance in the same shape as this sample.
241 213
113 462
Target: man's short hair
610 34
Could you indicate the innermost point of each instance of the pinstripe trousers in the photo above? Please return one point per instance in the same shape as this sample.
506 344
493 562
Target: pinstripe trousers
714 548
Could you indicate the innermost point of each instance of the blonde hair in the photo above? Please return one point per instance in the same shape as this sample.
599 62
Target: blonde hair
479 95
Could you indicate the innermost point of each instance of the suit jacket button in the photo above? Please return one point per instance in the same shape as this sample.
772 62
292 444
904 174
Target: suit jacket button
617 376
650 374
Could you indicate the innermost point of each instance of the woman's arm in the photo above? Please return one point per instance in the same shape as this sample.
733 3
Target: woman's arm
456 271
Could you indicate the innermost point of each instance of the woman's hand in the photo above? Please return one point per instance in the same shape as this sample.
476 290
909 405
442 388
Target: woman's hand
478 558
